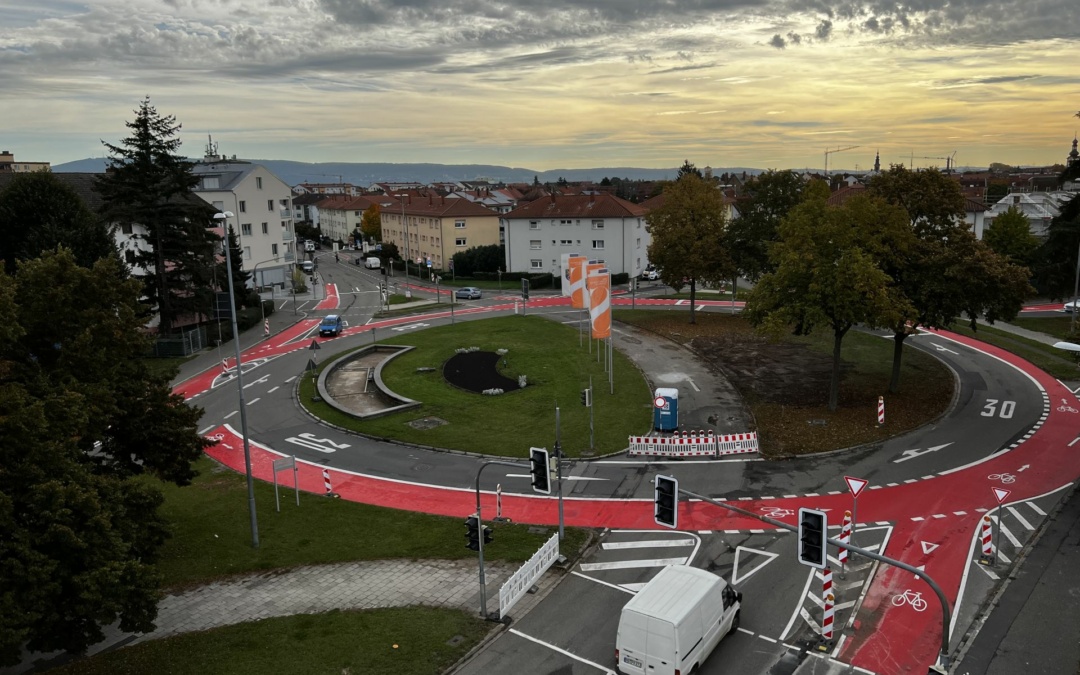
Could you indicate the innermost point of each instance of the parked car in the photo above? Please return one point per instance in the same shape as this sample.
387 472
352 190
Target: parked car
651 275
469 293
1070 306
331 326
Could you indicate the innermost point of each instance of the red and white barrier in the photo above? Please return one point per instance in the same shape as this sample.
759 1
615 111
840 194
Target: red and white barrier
693 444
326 481
881 410
845 536
826 582
827 619
987 539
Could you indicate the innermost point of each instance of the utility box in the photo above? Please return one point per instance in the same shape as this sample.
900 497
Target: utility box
666 409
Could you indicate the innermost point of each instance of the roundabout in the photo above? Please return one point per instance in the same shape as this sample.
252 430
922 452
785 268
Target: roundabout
928 490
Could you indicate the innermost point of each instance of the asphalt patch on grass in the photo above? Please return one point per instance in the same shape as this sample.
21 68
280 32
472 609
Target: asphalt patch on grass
477 372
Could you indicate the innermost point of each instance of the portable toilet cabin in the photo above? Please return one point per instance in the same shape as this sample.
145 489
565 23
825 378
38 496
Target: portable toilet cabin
666 409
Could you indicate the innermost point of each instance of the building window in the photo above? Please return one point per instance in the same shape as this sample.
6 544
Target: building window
243 206
534 244
273 250
597 224
638 243
129 256
258 182
534 224
598 244
247 252
536 264
460 241
459 224
210 183
269 204
566 242
566 222
245 229
126 228
266 228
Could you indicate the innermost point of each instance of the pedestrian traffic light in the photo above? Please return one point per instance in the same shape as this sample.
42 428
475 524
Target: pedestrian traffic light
487 535
812 533
472 533
586 397
666 501
538 467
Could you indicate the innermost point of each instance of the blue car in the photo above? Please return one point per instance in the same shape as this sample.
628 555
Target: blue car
468 293
331 326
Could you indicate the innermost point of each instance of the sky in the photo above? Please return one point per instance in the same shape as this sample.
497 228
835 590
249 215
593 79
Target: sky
551 84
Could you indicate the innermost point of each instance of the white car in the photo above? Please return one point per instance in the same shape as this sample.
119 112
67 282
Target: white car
1070 306
651 275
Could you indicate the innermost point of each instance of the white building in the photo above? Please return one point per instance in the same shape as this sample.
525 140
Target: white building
599 226
340 217
1039 207
262 205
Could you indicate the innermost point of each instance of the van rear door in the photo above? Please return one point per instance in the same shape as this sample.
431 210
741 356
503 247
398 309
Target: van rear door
661 659
632 643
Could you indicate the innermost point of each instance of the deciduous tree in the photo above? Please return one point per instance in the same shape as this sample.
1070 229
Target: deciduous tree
770 197
148 186
828 272
1010 236
689 237
371 223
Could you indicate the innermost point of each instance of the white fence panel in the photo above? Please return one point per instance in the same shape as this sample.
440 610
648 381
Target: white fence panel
521 581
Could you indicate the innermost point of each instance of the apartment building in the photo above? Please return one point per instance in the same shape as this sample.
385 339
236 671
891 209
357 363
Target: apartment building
9 165
426 226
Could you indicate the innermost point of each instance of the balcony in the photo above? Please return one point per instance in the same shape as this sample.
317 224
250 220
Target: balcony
290 256
286 235
286 213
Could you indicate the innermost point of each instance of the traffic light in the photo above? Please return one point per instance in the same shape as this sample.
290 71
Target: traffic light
487 535
472 533
525 288
666 501
538 467
812 531
586 397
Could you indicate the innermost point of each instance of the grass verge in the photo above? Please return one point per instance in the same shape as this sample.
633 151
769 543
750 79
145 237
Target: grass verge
404 641
544 351
1056 362
212 535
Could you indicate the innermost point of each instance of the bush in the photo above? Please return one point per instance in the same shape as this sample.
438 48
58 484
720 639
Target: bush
620 278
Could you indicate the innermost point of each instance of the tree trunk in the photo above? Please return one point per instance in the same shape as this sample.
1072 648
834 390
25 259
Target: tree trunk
734 291
897 355
693 288
834 382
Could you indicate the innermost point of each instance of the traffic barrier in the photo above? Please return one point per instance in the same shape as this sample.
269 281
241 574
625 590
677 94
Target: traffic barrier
827 619
826 581
693 444
881 410
225 365
326 481
266 326
845 536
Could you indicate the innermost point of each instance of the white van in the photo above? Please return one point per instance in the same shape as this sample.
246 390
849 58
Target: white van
372 263
672 625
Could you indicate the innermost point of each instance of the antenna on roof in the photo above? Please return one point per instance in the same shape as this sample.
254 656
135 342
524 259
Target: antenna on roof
211 148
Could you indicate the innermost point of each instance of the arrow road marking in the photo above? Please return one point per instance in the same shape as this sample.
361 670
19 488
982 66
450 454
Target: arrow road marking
1023 468
311 442
912 454
769 557
527 475
941 348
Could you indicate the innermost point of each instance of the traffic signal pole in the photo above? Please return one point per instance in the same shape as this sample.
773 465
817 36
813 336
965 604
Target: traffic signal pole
946 618
480 527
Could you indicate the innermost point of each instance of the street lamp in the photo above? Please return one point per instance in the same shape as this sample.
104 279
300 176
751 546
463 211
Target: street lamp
224 218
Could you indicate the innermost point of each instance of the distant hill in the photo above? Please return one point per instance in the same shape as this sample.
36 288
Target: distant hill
364 174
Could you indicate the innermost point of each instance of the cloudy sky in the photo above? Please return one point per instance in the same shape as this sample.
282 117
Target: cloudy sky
549 84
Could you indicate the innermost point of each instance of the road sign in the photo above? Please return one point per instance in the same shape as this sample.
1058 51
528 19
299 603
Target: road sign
1001 495
659 402
314 345
856 485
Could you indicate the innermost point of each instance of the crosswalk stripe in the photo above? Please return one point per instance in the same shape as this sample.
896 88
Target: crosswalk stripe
654 543
1020 518
1005 531
1036 509
631 564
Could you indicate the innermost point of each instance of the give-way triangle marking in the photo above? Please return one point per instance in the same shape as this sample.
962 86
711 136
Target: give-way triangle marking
735 578
927 547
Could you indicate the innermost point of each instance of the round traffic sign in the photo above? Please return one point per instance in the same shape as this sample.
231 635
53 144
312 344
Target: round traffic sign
660 402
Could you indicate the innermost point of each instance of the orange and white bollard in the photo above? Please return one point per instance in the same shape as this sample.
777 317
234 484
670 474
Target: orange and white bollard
987 557
827 620
826 582
880 410
326 482
225 365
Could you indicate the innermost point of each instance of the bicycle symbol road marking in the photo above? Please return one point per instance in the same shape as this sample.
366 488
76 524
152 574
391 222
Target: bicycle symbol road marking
910 597
217 437
776 511
1065 407
1005 478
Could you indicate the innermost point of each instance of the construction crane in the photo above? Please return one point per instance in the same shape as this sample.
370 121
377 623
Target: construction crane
949 161
829 152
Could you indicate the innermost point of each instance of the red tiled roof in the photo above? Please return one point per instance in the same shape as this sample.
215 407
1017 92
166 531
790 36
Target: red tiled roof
439 206
578 206
845 193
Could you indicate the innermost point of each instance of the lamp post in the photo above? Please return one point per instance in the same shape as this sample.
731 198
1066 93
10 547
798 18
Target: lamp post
254 272
224 218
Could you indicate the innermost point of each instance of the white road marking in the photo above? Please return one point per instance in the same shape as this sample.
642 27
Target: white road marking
654 543
798 608
989 572
692 384
1023 521
631 564
562 651
912 454
941 348
262 379
684 461
231 414
1074 441
1005 531
526 475
271 391
1036 509
253 401
203 432
602 583
769 557
290 379
634 588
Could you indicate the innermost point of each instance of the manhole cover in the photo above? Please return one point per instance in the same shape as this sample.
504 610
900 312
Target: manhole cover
455 641
421 467
427 423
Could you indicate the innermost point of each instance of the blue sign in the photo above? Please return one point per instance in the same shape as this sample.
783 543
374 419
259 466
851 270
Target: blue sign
378 247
